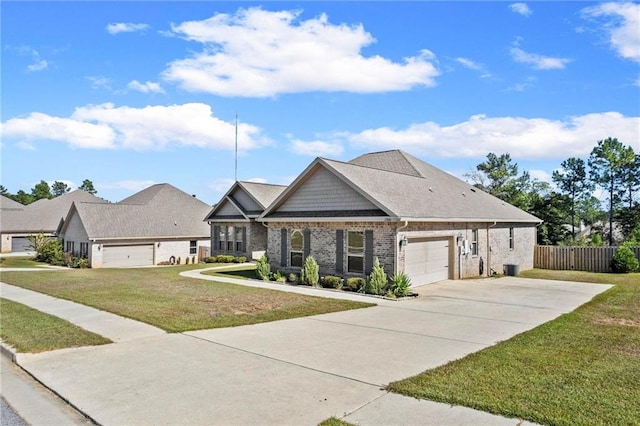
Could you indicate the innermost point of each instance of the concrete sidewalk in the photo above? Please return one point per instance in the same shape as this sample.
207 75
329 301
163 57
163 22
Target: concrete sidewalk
106 324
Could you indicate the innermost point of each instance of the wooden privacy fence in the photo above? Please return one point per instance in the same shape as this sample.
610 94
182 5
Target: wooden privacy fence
567 258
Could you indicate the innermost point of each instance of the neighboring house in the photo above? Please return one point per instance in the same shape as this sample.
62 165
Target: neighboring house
41 217
392 206
234 229
156 225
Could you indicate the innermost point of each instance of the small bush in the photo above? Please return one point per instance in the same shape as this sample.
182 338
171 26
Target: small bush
399 285
331 281
193 260
292 278
309 274
263 268
178 261
47 249
354 284
377 280
279 277
624 260
187 260
240 259
209 259
224 258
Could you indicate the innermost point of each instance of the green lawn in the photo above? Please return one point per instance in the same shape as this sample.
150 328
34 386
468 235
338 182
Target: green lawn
29 330
20 262
161 297
580 369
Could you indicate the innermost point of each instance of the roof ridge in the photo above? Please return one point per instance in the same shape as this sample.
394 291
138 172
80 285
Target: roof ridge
419 175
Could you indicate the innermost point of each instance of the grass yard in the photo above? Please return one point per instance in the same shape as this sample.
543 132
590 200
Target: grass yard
580 369
246 272
20 262
29 330
161 297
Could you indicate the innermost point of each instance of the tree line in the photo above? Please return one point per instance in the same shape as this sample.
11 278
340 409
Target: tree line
611 166
43 190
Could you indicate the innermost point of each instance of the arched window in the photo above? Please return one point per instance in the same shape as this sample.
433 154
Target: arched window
296 251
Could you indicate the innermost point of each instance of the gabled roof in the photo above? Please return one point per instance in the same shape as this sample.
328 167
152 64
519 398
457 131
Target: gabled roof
7 203
44 215
244 201
402 187
161 211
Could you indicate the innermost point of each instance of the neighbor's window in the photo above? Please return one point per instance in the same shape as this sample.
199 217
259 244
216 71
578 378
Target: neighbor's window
239 233
474 242
297 244
511 242
70 246
222 238
355 251
230 237
84 250
193 247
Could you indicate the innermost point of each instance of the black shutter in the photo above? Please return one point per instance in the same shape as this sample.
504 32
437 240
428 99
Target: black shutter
244 240
283 247
339 251
368 251
306 244
215 231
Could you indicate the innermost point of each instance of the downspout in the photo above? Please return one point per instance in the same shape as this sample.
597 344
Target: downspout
489 249
398 244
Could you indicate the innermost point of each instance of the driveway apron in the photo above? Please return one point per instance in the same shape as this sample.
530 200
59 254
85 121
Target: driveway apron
304 370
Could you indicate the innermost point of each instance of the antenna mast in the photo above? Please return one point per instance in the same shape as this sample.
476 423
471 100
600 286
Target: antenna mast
236 167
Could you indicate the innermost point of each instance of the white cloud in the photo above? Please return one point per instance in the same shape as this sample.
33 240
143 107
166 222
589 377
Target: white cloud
99 82
125 27
637 82
528 83
316 148
38 65
531 138
258 53
623 27
468 63
521 8
541 175
537 61
145 87
25 146
147 128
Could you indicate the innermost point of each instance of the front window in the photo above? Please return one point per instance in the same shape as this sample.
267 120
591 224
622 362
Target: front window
231 232
355 252
474 242
511 241
84 250
193 247
297 244
222 238
239 233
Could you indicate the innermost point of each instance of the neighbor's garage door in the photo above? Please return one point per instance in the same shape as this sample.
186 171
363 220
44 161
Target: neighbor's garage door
426 261
19 244
123 256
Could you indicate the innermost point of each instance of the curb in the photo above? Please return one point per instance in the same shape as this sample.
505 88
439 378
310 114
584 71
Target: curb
8 352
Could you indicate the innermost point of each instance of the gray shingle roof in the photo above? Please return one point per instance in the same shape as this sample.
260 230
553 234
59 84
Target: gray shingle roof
44 215
408 188
262 193
161 210
9 204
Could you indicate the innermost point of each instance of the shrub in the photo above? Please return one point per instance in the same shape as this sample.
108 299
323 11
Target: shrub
187 260
399 285
240 259
224 258
354 284
78 262
331 281
279 277
178 261
292 278
624 260
263 268
309 274
47 249
377 280
209 259
193 260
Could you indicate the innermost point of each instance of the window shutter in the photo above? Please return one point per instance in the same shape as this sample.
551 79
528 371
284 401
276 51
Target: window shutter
339 251
368 251
306 250
215 236
283 246
244 240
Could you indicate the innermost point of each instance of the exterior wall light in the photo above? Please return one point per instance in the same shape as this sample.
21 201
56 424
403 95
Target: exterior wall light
404 241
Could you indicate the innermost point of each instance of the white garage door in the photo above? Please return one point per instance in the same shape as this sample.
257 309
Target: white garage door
123 256
427 261
20 244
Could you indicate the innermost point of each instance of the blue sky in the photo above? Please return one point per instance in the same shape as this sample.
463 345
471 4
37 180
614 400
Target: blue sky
128 94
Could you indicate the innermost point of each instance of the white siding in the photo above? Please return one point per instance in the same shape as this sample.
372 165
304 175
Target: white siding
324 191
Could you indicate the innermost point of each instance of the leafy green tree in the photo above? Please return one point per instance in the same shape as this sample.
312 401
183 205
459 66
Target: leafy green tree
59 188
608 162
310 272
497 176
41 190
24 198
87 186
377 280
551 208
573 181
4 191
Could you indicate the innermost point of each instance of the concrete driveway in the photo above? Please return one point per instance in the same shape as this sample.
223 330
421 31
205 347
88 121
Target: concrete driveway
304 370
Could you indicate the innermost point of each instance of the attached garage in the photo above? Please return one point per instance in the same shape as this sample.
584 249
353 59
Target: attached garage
121 256
20 244
427 260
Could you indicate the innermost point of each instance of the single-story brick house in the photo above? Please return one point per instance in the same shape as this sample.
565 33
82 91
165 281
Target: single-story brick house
234 229
158 224
41 217
395 207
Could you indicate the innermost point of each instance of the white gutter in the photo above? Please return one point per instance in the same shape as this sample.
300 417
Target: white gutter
489 249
